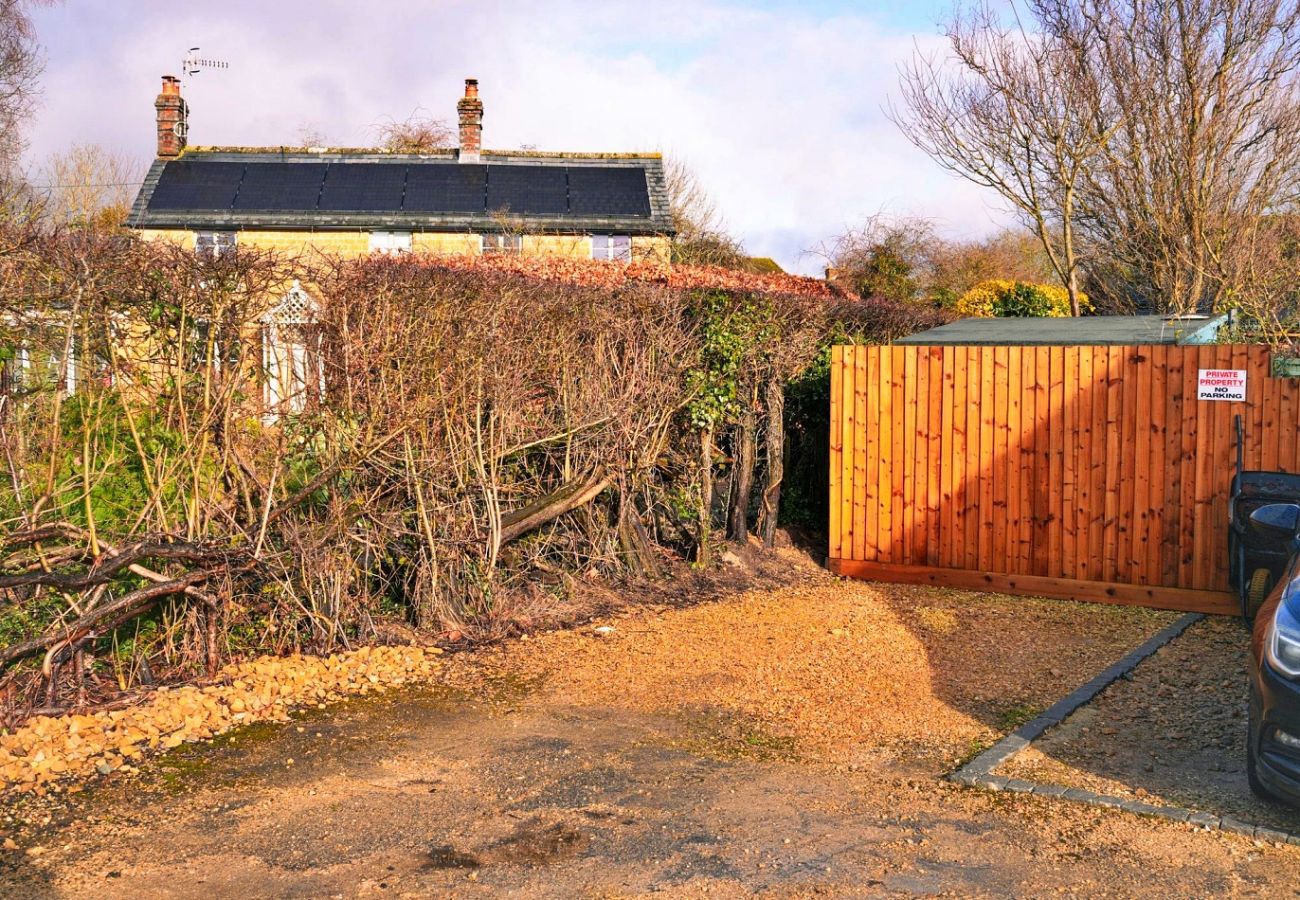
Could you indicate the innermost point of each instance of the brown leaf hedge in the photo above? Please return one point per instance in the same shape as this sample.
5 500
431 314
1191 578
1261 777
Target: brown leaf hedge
471 436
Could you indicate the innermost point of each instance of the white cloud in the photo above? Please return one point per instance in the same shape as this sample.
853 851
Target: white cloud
780 113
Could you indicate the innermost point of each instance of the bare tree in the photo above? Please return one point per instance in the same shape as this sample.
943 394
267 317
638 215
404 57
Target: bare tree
90 186
417 133
1202 106
702 237
905 259
20 67
1000 110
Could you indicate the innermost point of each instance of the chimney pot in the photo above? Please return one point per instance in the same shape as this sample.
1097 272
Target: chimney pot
172 115
470 112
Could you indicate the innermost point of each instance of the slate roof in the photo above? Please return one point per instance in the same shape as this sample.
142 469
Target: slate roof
342 189
1085 330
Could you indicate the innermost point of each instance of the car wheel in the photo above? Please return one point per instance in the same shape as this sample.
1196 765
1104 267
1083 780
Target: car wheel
1261 582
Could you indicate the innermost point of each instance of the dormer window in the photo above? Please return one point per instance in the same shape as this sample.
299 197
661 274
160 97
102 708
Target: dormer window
214 243
390 242
502 243
611 247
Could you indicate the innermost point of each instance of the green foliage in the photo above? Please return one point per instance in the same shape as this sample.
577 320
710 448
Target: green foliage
121 489
732 328
997 297
886 273
20 621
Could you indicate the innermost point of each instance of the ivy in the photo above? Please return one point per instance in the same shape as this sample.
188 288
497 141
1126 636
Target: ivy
732 328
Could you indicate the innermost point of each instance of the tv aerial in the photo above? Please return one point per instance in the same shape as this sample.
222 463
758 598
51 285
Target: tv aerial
193 64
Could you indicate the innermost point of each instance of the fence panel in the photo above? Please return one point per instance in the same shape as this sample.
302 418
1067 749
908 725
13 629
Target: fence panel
1087 472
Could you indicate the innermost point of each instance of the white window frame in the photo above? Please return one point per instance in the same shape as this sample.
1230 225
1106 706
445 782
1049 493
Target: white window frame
215 235
603 247
502 243
390 243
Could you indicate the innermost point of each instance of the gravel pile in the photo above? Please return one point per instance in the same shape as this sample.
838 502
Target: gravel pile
47 749
832 670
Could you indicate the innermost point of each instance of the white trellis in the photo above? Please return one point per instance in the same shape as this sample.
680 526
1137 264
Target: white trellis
291 353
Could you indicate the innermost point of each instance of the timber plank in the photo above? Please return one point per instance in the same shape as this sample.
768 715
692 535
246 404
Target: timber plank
1170 538
1011 513
899 460
1001 434
937 436
836 454
1114 409
1203 533
919 458
1056 478
1282 427
908 457
1069 456
987 458
970 514
1211 602
860 401
950 426
1158 471
851 435
871 540
1097 467
1027 488
1042 460
1189 419
884 489
1083 464
1137 560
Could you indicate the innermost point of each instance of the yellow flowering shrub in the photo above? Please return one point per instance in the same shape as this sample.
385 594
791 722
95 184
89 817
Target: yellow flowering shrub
999 297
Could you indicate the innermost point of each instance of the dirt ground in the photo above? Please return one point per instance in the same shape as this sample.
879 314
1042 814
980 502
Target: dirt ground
788 742
1173 733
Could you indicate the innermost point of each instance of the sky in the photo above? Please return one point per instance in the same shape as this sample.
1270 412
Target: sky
779 107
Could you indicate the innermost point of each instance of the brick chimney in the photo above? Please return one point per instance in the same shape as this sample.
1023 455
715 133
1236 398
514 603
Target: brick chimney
172 116
470 109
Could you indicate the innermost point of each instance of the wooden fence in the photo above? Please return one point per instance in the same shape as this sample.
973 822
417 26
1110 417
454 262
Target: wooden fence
1086 472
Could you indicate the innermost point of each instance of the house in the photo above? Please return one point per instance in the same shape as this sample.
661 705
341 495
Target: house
609 206
350 202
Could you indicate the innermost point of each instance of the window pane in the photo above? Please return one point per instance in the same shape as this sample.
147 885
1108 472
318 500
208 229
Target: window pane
621 248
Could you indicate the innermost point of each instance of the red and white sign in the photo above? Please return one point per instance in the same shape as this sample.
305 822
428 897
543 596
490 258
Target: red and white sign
1221 384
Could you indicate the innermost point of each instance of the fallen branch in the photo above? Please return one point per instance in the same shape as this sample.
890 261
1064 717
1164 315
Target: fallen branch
125 607
106 568
566 498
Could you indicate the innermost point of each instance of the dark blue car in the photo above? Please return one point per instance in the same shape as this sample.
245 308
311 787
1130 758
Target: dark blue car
1273 742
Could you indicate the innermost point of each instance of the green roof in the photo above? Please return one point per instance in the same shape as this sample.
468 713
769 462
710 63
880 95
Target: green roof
1085 330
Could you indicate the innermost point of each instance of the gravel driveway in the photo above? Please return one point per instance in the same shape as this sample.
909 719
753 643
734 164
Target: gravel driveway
1174 732
788 742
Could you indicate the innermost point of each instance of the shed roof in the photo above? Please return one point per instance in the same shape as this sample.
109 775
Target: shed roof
1120 330
295 189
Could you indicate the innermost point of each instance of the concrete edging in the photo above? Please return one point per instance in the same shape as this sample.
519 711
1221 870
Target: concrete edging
978 772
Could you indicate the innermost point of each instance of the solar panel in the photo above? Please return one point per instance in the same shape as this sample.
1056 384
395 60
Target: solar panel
196 184
277 186
608 191
445 188
528 190
363 187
